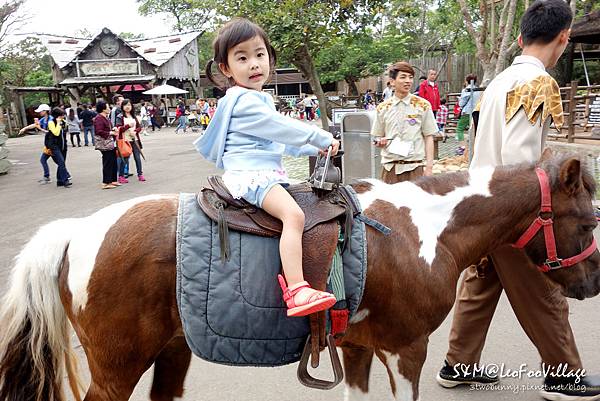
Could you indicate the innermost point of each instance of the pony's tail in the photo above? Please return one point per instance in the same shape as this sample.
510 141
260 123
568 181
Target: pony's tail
35 348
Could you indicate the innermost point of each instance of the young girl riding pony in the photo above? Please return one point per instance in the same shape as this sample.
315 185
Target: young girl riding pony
247 138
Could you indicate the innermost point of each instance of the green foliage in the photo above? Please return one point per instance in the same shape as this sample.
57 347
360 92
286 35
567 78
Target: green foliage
359 56
131 35
189 15
84 33
27 64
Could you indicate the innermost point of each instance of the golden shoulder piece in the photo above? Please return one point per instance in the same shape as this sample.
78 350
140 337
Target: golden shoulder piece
383 106
419 103
538 97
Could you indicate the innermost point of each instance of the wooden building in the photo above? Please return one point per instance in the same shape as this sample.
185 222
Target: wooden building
108 64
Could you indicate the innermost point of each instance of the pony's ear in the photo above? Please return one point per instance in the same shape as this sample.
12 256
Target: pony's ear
570 175
546 155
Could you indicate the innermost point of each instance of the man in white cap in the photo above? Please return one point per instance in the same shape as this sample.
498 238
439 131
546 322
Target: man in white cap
41 124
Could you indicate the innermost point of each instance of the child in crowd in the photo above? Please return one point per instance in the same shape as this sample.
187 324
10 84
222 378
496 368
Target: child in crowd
247 138
74 127
442 118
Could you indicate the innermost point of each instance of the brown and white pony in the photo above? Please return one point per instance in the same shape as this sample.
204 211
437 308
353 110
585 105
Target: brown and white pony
112 276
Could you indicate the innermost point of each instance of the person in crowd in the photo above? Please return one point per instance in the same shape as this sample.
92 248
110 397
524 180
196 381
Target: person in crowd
388 92
442 118
116 114
130 131
152 112
212 108
56 141
202 113
87 121
41 124
429 91
180 115
105 143
403 128
300 108
511 130
469 97
247 138
422 79
144 117
163 112
74 127
367 98
309 106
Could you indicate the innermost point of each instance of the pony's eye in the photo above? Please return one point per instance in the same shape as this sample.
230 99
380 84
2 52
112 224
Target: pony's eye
588 227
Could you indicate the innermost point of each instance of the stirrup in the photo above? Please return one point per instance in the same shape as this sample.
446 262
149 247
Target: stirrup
338 372
317 305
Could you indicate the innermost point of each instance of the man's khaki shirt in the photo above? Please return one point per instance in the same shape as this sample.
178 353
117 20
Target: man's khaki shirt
408 120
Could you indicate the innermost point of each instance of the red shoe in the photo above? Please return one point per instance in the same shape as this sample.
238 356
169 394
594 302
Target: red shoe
303 300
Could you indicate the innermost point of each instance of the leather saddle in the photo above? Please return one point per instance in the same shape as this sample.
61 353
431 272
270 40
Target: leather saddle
240 215
324 214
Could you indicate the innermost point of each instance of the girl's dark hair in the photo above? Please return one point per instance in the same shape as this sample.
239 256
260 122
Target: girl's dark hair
126 102
71 114
101 105
57 112
234 32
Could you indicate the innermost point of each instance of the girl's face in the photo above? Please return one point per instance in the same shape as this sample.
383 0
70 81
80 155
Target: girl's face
127 108
248 64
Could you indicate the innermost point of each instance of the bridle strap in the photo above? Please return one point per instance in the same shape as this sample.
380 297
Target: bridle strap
553 262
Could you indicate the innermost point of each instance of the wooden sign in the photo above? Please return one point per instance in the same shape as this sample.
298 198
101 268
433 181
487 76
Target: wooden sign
109 68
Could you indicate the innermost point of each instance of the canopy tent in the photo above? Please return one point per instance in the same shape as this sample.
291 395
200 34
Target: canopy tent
165 90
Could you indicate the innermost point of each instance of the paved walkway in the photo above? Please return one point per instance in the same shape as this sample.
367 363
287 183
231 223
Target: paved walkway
173 166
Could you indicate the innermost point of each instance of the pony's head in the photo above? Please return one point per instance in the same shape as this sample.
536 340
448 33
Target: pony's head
572 189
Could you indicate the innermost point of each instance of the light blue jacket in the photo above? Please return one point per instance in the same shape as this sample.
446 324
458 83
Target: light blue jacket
468 99
247 133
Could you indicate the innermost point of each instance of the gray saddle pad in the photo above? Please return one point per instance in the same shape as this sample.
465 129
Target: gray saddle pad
233 313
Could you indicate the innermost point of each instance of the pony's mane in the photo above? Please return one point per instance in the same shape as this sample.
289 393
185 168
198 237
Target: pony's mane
444 183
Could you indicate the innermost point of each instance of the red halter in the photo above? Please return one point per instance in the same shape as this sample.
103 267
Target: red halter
553 262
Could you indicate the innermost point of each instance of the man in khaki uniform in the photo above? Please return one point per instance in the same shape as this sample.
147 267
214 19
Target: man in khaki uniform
515 113
404 129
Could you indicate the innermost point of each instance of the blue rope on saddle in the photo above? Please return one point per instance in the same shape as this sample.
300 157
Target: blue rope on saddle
382 228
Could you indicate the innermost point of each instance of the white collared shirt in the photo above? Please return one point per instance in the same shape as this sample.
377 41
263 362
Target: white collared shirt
503 140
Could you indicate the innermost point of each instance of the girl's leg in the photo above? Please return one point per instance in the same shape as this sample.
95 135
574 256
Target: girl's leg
279 203
72 135
137 158
300 298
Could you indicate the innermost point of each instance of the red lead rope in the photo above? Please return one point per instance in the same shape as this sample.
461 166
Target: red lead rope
553 261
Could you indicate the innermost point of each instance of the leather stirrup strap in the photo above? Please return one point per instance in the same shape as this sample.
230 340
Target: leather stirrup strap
223 234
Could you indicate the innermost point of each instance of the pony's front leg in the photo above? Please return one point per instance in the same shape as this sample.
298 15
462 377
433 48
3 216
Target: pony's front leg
357 366
404 366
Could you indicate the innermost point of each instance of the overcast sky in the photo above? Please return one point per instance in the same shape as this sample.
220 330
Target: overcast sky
66 17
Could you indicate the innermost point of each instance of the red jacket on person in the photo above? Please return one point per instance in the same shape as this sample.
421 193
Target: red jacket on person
430 93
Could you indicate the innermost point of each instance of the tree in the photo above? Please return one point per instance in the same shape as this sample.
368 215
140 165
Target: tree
131 36
491 24
188 14
84 33
24 58
10 19
355 57
435 26
299 29
494 26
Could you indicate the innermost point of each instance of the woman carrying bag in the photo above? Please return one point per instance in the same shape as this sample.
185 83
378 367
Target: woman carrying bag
104 137
132 144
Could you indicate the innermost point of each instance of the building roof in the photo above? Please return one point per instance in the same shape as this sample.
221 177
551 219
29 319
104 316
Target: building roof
159 50
586 29
116 79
